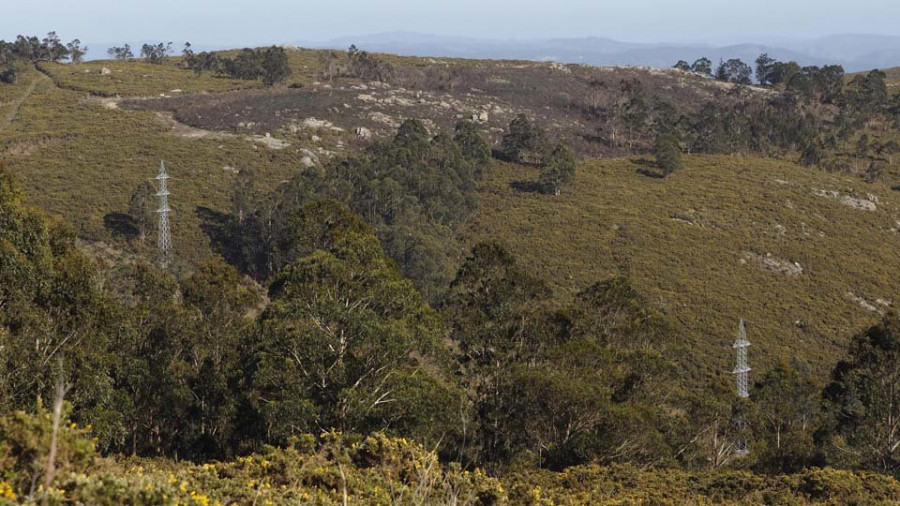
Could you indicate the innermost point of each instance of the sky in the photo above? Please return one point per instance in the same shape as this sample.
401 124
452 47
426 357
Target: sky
257 22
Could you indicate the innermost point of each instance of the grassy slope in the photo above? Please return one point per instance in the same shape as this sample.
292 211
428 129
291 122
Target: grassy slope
682 240
81 160
131 78
137 78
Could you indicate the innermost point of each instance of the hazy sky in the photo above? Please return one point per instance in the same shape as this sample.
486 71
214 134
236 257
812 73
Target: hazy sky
236 22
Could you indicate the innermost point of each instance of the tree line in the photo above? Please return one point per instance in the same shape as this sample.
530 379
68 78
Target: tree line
356 64
813 115
270 64
769 72
16 56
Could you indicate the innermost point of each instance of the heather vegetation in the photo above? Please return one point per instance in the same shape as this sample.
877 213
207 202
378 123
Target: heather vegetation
459 308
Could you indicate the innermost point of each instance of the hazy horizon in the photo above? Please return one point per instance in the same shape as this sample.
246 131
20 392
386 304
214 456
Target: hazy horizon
230 23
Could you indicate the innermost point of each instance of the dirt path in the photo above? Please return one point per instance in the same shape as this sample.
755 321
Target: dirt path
11 115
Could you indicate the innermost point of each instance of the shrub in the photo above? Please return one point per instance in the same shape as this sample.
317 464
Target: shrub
524 142
668 154
558 170
25 441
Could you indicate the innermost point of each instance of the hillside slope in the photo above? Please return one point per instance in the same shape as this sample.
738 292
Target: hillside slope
719 240
807 258
81 157
84 140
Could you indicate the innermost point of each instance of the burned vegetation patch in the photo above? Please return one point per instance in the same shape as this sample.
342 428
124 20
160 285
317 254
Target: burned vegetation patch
596 111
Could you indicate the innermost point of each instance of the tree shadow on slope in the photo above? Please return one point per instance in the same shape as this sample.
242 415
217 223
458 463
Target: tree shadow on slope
232 242
121 224
526 186
649 168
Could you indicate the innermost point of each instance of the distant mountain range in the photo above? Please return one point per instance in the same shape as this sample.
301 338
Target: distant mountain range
854 52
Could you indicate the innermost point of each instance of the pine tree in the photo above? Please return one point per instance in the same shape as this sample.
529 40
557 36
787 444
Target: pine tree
668 154
141 208
523 140
473 147
275 65
557 170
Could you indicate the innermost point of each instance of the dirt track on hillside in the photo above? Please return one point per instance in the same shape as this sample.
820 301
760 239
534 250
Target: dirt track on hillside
14 110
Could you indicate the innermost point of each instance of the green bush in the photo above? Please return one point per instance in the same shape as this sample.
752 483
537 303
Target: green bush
25 443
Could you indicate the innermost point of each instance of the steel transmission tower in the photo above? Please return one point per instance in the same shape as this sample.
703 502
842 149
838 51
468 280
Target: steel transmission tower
164 235
743 364
741 372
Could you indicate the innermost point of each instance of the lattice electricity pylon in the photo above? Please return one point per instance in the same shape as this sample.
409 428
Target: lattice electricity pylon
741 372
164 235
742 367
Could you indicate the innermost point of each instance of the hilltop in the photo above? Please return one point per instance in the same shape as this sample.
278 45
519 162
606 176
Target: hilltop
854 51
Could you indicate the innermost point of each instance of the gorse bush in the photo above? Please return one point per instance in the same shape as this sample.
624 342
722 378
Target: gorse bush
25 447
335 468
329 469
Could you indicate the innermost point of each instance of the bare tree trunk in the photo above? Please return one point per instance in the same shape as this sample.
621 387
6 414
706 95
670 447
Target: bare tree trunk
50 470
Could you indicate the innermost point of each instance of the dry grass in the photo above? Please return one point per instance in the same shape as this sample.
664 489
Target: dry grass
137 78
81 160
696 244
